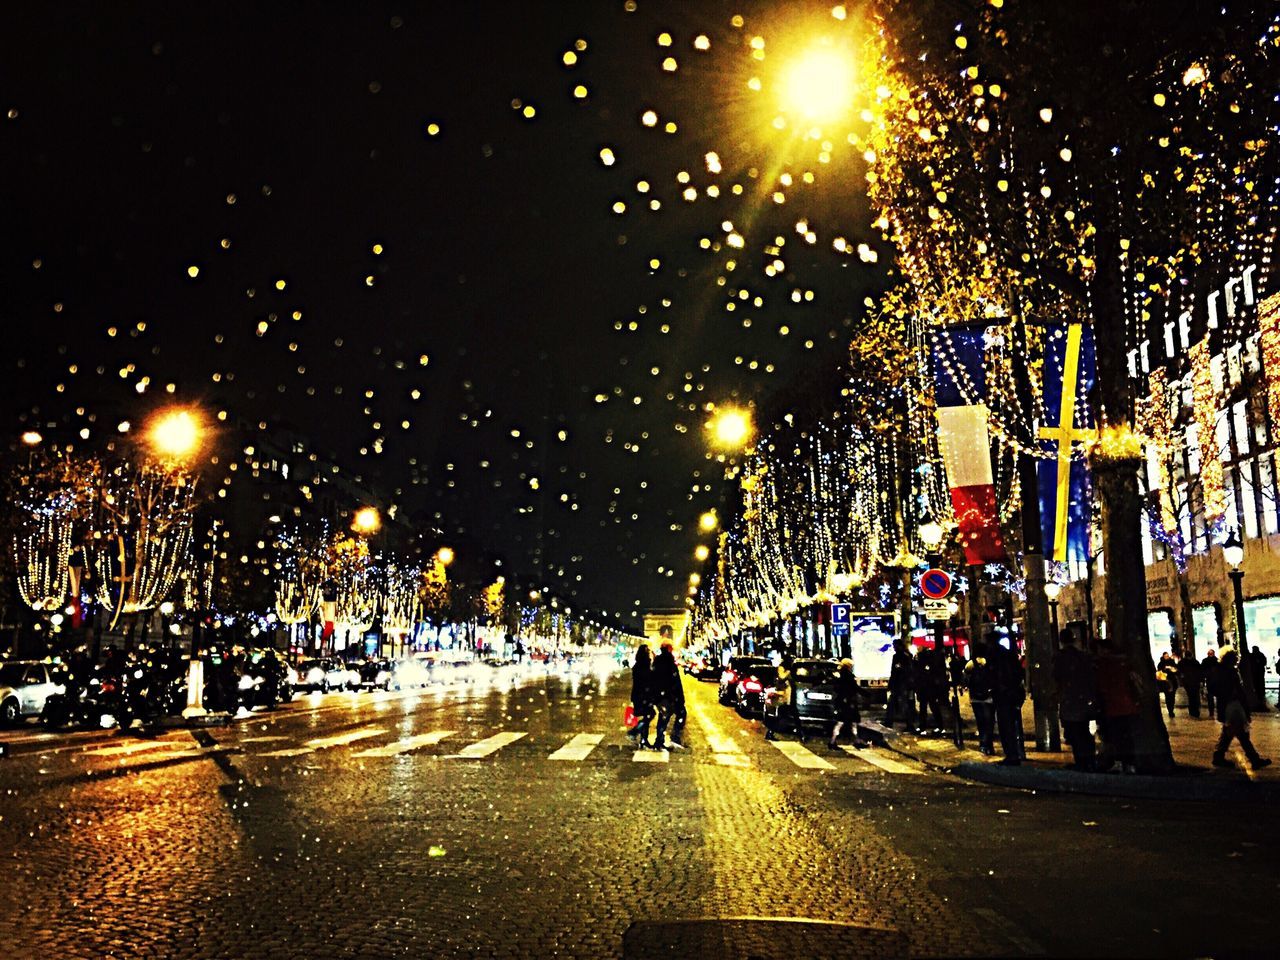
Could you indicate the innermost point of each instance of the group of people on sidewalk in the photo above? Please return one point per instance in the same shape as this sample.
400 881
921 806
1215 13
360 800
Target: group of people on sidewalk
656 690
1100 688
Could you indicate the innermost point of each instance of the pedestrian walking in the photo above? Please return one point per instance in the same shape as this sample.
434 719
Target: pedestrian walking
1190 679
1233 713
1209 673
932 684
1167 679
901 705
1077 698
783 701
1118 702
642 695
845 704
668 694
977 675
1009 692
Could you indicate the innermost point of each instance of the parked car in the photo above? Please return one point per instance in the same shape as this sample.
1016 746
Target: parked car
729 677
24 687
812 690
751 686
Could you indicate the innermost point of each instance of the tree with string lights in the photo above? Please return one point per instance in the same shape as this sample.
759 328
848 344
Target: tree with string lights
1035 163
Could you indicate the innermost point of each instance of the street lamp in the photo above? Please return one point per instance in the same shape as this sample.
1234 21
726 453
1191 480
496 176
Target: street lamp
1233 553
701 552
445 555
731 428
708 521
367 521
174 434
32 438
1052 590
819 84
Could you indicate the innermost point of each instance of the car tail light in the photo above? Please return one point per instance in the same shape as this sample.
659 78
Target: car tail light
752 686
108 686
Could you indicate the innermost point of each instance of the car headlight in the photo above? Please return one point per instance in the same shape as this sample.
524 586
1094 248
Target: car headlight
247 682
315 675
291 675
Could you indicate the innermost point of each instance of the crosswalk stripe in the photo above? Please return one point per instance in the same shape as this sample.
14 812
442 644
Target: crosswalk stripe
801 756
578 748
129 748
732 759
270 739
407 744
651 756
474 751
323 743
885 763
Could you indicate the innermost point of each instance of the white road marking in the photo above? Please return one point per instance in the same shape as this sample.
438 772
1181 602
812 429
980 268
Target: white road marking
651 756
578 748
130 748
323 743
407 744
727 751
262 739
881 760
474 751
800 755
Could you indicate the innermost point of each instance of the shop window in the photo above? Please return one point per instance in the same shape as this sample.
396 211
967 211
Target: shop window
1240 421
1267 492
1206 622
1247 505
1160 632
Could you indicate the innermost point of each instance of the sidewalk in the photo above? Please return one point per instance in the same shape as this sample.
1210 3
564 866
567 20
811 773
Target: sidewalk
1192 742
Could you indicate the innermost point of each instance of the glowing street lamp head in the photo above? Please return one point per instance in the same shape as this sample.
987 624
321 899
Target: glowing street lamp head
174 434
708 521
445 555
366 520
32 438
819 85
701 552
731 428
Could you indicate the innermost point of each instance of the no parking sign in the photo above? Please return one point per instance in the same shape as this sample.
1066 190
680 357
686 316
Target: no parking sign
935 584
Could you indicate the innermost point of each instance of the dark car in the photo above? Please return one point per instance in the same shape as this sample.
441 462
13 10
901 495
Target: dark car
729 677
813 692
375 674
752 684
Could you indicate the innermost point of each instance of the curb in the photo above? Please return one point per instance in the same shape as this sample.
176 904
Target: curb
1190 786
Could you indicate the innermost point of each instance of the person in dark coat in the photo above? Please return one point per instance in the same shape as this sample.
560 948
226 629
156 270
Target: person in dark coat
847 696
1077 698
1189 678
978 674
1009 692
1233 712
1209 672
1167 679
1258 674
1119 706
901 705
669 695
642 695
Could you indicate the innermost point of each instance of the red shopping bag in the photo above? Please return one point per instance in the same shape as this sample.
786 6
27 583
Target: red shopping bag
629 718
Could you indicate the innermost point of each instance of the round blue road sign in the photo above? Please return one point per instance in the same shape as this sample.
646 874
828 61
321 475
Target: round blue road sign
935 584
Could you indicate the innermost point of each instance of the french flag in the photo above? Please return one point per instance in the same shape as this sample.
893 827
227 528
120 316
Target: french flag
960 389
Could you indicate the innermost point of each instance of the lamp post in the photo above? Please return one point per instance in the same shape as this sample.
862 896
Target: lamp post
1233 554
1052 590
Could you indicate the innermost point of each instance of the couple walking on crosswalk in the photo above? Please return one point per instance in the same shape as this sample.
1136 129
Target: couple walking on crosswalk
656 687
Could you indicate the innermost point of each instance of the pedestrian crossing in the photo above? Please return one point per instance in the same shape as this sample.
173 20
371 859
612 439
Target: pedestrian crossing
718 746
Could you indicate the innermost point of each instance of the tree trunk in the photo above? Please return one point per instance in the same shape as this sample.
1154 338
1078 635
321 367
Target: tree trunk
1116 482
1186 617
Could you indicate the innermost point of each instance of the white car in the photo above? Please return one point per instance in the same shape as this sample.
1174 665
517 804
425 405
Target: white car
24 687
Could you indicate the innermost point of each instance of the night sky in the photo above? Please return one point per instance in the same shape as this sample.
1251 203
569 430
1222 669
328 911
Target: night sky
347 253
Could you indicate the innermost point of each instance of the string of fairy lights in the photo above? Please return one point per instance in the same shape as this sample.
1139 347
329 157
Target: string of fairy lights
995 223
